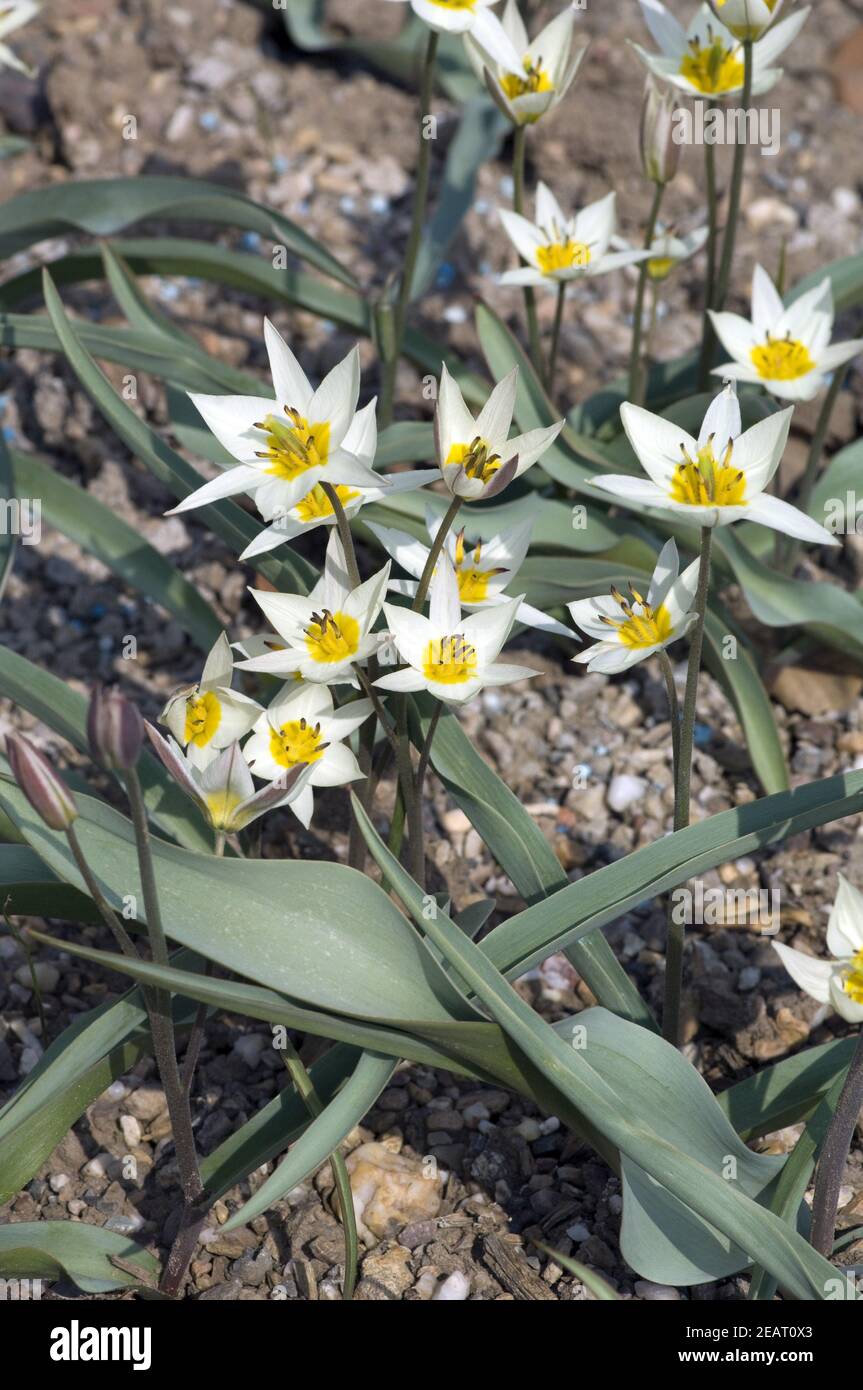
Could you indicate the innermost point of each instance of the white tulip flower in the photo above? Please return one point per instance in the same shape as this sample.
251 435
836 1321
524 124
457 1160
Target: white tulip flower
629 629
477 457
315 509
224 790
543 73
327 632
286 446
788 351
302 727
667 250
838 982
747 19
483 569
706 60
14 13
716 479
450 656
209 716
559 248
465 17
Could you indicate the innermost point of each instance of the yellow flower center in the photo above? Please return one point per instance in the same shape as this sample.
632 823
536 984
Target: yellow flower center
203 717
221 806
455 4
316 505
535 79
660 266
562 255
712 68
707 481
449 661
781 359
293 445
472 581
641 625
476 459
296 742
332 637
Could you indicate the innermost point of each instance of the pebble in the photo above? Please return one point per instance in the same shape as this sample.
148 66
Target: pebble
47 976
578 1232
529 1129
248 1047
749 977
131 1130
625 789
58 1181
454 1289
656 1293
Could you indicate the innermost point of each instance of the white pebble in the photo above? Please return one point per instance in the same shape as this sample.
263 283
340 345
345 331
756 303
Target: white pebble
58 1181
550 1126
249 1047
529 1129
94 1169
118 1090
131 1130
47 976
455 1289
624 790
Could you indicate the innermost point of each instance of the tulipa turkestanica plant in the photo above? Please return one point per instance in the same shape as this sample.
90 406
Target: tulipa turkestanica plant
262 845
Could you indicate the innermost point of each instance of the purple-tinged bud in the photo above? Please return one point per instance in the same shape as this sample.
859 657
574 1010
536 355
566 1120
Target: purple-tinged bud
115 730
43 787
660 152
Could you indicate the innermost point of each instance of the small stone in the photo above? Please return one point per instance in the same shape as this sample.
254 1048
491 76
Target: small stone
749 977
147 1103
578 1232
389 1268
454 1289
391 1190
624 790
248 1047
529 1129
47 976
656 1293
131 1130
58 1181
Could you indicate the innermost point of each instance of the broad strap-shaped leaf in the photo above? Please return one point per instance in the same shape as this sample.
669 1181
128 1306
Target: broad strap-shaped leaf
73 1250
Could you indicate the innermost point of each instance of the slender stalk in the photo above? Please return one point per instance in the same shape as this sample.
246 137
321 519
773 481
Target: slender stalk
676 930
831 1165
434 553
377 704
104 908
518 160
555 338
425 755
345 536
390 367
724 276
789 549
636 375
707 335
305 1089
25 946
673 707
165 1049
196 1036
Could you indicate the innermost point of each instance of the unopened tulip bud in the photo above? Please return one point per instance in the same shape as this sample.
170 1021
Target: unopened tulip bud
660 152
747 19
43 787
115 730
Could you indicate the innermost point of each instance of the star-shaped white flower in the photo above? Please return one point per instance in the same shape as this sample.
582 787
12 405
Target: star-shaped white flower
285 447
477 457
716 479
14 13
450 656
209 716
315 509
224 790
788 351
558 248
839 981
706 59
631 627
483 569
466 17
667 250
302 726
545 69
328 632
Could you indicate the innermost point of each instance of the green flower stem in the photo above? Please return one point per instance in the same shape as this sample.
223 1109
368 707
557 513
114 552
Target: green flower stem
427 747
636 374
390 366
708 337
555 338
518 161
831 1165
196 1036
724 277
104 908
673 707
305 1089
165 1049
789 549
345 536
434 553
676 930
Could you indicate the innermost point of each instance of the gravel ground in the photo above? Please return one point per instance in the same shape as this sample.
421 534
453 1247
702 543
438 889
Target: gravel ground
217 93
